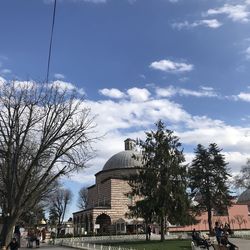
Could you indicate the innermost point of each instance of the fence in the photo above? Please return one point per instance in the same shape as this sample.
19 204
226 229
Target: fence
101 239
96 242
89 246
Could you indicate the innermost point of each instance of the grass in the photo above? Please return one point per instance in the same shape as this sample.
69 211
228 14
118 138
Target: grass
155 245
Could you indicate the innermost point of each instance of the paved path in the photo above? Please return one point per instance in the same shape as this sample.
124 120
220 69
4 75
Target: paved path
47 247
43 246
241 243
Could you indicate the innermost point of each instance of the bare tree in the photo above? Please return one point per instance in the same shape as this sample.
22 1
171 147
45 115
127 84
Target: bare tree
45 133
59 202
242 180
82 198
239 219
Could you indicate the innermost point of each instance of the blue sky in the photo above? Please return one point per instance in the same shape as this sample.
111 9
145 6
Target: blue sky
183 61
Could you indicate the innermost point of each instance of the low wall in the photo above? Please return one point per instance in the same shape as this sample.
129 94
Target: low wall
242 233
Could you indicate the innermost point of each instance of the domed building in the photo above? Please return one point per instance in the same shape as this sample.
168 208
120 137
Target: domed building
107 202
244 198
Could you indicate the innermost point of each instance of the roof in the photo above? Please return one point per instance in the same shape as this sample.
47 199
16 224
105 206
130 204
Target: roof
124 159
244 197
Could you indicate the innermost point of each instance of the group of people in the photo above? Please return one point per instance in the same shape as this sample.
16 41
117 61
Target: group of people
15 242
34 235
222 233
200 241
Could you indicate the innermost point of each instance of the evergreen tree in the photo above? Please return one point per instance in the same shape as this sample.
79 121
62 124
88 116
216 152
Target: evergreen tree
209 181
143 208
162 181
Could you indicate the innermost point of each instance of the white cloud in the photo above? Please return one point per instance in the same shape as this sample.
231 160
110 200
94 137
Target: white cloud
24 84
2 81
120 118
201 93
123 118
237 13
171 66
59 76
210 23
113 93
171 91
166 92
61 85
5 71
126 114
138 95
247 52
226 136
243 96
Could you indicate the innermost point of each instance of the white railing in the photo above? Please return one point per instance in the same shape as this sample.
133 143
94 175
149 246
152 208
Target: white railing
96 242
243 233
89 246
99 239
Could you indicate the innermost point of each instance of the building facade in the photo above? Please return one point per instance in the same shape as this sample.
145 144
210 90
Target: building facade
108 198
108 201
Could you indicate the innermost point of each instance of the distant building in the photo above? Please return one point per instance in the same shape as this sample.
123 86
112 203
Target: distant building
237 216
108 201
107 198
244 199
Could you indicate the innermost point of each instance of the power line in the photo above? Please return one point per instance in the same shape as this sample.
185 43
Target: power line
51 40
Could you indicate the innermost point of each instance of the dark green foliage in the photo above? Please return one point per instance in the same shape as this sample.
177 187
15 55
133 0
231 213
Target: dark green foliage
162 182
209 180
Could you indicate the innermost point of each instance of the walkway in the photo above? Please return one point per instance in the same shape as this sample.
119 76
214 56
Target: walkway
241 243
47 247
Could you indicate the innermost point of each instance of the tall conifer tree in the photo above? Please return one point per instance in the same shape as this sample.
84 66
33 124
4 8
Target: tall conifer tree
209 180
162 181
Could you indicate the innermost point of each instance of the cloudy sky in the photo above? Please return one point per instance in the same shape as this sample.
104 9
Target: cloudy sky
136 61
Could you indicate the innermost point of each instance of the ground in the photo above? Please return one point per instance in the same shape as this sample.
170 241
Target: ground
183 245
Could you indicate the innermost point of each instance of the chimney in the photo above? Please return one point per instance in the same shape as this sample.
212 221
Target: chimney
129 144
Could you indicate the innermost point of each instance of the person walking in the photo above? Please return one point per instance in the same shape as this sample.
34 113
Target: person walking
149 231
218 230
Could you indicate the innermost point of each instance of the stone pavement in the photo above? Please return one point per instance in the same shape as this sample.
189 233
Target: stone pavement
46 247
241 243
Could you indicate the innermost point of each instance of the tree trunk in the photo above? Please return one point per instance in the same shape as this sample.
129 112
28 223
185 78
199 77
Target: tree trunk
7 230
162 229
209 219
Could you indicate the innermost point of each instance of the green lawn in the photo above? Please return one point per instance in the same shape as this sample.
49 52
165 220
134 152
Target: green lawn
156 245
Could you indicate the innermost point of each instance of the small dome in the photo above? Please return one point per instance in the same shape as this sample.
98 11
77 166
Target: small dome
244 197
124 159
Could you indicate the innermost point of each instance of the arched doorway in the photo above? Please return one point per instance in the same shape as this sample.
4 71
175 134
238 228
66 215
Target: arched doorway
104 222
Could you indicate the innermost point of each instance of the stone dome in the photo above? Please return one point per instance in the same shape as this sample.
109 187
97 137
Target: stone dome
124 159
244 197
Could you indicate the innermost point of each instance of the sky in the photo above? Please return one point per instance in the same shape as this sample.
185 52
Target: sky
137 61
